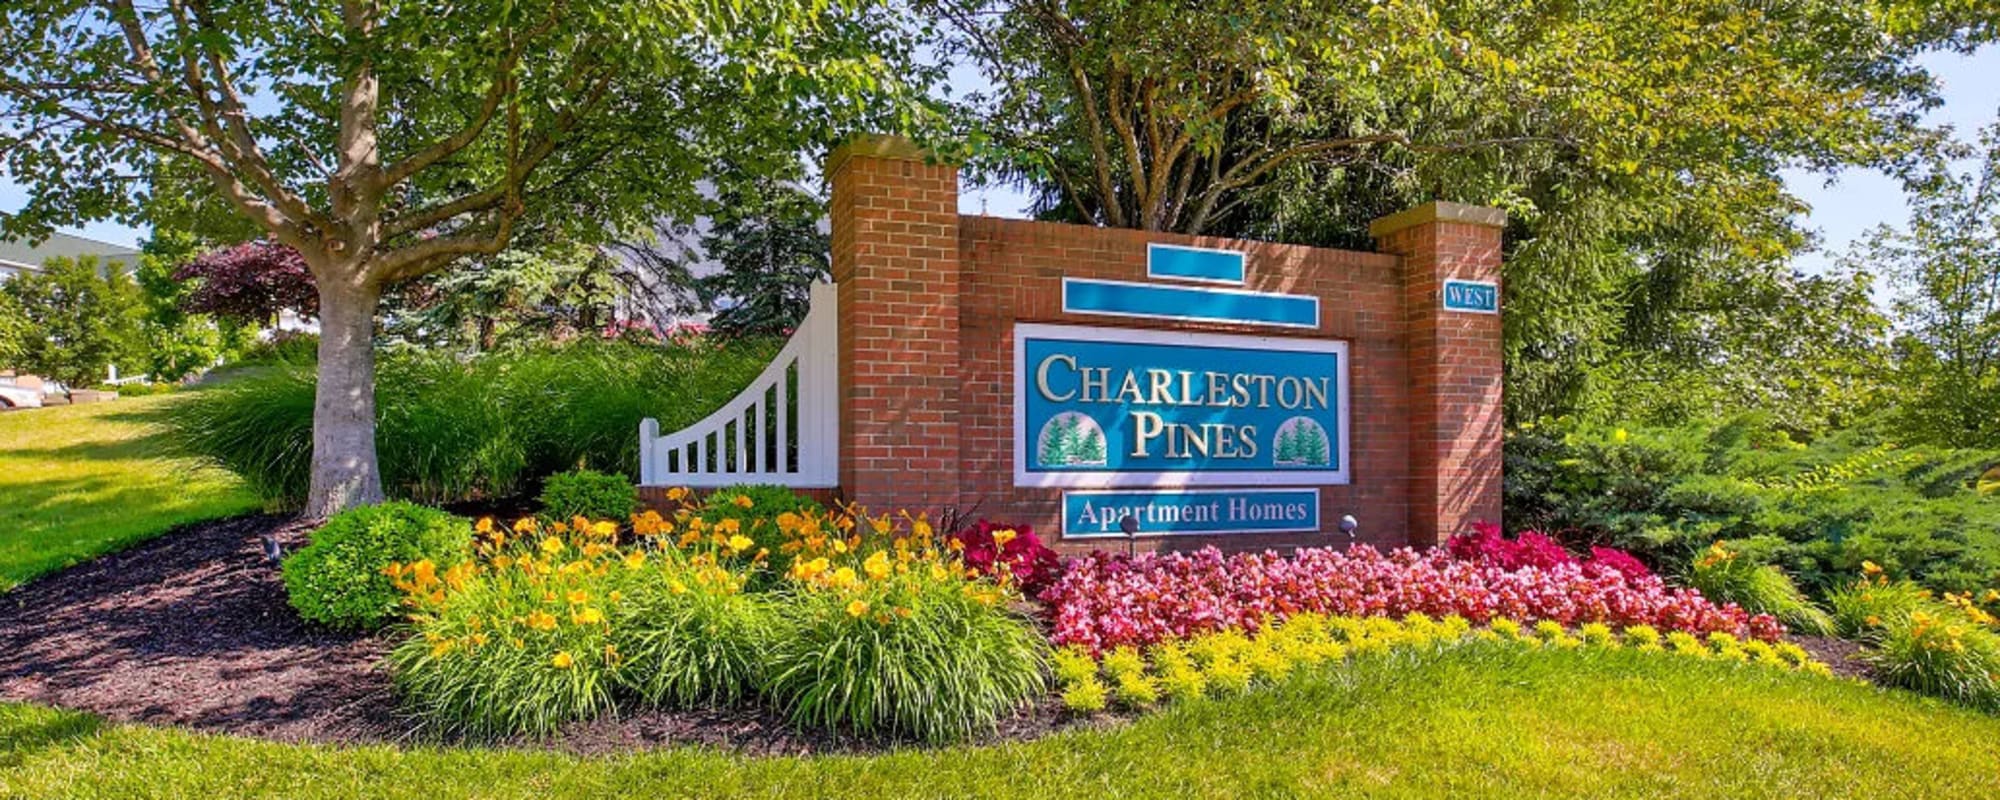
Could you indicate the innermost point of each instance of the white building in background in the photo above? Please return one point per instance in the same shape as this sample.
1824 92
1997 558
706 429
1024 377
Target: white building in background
18 256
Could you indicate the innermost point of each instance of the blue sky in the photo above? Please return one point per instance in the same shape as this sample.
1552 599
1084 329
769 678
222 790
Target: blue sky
1844 205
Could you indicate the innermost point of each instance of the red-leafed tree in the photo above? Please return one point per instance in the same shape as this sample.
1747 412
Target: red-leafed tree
251 282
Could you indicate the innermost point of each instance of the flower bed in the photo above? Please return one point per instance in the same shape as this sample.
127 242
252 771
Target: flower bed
876 627
1104 601
1231 662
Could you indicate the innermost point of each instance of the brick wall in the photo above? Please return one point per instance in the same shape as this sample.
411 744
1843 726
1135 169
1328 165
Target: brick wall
896 269
1454 366
929 300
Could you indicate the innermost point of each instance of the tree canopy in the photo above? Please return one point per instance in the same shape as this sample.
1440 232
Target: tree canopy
385 139
78 318
767 243
1945 268
1638 145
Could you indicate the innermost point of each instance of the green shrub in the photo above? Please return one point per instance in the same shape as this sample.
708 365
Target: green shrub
451 429
337 580
1817 510
1087 697
690 635
1727 576
922 659
589 494
136 388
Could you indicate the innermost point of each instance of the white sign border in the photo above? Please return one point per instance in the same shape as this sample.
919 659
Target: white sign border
1109 479
1063 527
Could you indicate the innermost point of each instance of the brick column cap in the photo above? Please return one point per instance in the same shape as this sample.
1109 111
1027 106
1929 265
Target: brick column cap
1437 211
879 145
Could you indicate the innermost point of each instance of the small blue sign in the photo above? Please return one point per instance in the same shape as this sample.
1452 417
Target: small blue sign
1152 301
1108 407
1477 297
1194 263
1089 515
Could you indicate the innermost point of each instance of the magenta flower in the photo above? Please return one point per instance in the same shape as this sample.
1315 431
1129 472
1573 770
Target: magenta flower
1104 601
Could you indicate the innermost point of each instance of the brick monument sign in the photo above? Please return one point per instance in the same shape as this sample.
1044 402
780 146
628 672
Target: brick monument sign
1087 380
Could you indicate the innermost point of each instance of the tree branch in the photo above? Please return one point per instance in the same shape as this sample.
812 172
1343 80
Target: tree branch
504 85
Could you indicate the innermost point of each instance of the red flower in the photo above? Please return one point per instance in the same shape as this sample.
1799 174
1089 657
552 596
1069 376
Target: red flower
1032 564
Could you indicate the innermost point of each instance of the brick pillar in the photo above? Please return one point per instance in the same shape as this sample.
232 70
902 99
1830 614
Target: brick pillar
1454 365
895 266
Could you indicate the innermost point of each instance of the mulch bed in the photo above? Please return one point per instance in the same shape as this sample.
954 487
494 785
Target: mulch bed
1840 654
192 629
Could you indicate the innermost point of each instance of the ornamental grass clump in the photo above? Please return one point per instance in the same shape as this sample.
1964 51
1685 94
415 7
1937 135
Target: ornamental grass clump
452 429
1726 575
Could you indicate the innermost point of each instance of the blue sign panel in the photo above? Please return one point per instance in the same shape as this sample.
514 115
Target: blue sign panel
1194 263
1107 407
1088 515
1479 297
1121 299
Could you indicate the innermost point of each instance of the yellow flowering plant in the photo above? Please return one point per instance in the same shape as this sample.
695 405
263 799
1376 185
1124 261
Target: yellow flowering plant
886 632
1946 646
558 620
1233 661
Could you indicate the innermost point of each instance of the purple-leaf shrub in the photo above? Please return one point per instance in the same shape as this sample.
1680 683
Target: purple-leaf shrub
252 281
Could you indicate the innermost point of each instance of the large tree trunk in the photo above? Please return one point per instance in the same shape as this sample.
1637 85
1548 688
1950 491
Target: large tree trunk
344 470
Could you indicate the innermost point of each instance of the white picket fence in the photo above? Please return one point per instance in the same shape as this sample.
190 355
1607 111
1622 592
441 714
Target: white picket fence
783 429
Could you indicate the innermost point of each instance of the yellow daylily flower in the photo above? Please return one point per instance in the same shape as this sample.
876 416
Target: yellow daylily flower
877 565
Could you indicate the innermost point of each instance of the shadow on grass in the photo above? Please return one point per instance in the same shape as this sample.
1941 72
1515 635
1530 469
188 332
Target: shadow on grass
95 485
25 732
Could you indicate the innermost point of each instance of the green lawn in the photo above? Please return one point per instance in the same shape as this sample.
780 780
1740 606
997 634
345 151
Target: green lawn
80 481
1479 721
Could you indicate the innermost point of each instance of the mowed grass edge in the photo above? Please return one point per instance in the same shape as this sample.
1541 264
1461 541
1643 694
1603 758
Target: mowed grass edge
77 482
1479 721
